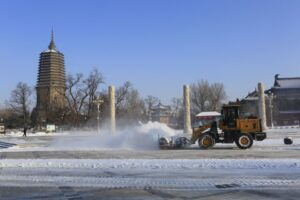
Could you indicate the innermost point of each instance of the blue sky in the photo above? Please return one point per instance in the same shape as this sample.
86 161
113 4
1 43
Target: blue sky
158 45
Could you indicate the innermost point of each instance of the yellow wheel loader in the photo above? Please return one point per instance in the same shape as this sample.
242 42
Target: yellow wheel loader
231 128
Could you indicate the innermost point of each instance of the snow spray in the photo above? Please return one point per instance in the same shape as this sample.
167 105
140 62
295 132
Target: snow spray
143 137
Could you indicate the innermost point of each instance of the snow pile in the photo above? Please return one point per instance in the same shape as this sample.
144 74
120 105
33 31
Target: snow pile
140 137
154 164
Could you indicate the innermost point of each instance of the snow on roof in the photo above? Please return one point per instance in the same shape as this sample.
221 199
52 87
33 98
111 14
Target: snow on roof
292 82
251 98
208 114
289 112
289 83
160 107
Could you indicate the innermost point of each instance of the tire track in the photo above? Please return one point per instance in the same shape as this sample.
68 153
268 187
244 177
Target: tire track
69 193
3 155
66 183
5 145
66 191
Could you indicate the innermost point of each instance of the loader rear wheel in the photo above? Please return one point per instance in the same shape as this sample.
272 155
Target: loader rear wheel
244 141
206 141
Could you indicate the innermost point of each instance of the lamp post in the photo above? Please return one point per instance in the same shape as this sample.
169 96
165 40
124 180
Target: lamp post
98 102
271 96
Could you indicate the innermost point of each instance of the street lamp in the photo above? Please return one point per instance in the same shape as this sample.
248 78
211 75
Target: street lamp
98 101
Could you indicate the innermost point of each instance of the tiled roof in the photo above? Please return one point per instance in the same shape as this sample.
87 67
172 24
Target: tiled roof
160 107
293 82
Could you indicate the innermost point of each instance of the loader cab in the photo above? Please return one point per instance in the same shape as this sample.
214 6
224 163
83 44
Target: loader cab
230 113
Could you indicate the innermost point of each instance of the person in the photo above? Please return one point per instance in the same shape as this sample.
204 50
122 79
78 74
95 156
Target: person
25 130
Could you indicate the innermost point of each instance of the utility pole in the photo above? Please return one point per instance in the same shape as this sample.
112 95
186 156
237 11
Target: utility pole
98 101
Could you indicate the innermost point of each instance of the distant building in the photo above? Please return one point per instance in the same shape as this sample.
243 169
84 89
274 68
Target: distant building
51 85
249 105
160 113
282 102
286 100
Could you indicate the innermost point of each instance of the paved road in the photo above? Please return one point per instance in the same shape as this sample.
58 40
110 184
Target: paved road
220 153
73 193
64 182
67 185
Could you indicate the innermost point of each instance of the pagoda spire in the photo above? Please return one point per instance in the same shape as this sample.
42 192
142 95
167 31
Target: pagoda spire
52 44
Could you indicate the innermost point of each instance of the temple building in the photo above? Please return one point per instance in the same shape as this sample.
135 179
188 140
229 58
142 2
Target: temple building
286 100
51 86
282 102
160 113
249 105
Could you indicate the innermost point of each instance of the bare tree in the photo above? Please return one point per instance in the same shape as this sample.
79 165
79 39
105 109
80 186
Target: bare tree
177 112
217 95
135 106
20 101
205 96
177 105
199 96
10 118
76 95
121 94
92 83
150 101
80 93
130 107
5 113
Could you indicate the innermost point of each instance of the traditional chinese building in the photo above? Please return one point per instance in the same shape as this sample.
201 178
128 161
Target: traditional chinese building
286 100
160 113
249 105
51 85
282 102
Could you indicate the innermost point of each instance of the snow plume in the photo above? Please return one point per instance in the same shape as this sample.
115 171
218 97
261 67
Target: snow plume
141 137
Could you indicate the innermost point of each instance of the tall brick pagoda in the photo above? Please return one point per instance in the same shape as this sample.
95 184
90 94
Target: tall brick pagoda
51 85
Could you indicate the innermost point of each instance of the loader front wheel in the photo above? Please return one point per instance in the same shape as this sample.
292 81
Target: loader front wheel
244 141
206 141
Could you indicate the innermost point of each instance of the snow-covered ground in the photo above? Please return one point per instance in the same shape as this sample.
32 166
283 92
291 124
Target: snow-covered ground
135 138
183 174
154 164
154 173
130 160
